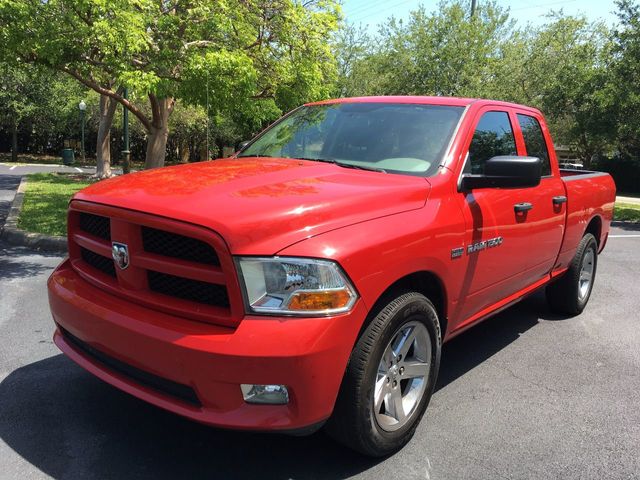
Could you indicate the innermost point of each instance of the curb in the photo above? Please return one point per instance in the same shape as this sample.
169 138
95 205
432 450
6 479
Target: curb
15 236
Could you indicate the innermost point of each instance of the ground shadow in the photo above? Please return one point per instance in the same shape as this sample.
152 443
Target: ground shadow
10 269
481 342
70 425
627 226
15 251
16 262
9 182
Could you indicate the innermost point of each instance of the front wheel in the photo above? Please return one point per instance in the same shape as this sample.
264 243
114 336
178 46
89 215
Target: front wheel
570 294
390 377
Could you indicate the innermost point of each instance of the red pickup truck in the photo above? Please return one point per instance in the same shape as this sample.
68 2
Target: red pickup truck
312 278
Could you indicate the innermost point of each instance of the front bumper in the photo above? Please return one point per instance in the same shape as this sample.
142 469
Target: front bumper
102 332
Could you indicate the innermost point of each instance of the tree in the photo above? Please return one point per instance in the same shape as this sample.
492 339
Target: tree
561 67
253 57
17 101
352 46
445 52
38 105
624 87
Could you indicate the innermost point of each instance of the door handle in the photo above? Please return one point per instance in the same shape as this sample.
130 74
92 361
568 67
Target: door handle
559 200
522 207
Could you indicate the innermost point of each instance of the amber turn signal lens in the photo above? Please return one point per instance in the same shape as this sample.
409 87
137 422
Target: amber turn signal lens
322 300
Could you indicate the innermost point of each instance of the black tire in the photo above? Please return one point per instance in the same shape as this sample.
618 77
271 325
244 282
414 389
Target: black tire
354 422
563 295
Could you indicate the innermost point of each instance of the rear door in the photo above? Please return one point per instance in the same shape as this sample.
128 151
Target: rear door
547 223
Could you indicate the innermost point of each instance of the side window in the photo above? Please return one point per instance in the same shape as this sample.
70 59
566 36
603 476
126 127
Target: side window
493 137
534 141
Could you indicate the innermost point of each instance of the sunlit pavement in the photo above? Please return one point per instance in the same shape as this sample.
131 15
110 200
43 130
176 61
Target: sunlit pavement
7 168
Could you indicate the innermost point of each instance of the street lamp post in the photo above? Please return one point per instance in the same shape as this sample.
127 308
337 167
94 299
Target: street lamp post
83 107
126 154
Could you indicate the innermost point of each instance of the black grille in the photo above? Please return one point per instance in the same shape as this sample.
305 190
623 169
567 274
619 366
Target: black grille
104 264
168 387
187 289
96 225
178 246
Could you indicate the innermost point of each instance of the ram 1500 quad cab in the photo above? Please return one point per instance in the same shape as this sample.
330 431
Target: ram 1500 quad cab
312 278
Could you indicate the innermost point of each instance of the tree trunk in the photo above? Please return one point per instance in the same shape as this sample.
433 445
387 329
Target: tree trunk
103 148
14 141
203 153
184 152
158 133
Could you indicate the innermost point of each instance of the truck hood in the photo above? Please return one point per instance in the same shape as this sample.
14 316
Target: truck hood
261 206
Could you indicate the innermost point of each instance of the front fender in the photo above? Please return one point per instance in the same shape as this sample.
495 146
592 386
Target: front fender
377 253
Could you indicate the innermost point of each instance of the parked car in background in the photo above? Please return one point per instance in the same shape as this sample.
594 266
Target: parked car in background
571 166
312 279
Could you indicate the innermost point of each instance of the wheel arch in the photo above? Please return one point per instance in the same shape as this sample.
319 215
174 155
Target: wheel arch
425 282
594 227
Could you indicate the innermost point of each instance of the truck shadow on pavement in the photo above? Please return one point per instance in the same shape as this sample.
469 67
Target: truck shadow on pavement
69 425
14 265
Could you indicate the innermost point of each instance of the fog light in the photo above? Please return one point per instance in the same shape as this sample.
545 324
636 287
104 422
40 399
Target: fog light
265 394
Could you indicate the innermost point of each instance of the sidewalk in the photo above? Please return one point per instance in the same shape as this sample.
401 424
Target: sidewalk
632 200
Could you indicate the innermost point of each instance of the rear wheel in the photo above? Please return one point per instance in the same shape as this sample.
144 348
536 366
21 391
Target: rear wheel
390 378
570 293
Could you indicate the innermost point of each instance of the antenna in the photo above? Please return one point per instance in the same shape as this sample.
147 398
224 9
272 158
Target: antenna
208 151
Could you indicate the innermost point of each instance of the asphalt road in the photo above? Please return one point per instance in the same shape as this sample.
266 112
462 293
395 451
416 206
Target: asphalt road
526 394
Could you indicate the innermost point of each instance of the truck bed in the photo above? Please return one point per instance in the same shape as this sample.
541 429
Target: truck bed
588 193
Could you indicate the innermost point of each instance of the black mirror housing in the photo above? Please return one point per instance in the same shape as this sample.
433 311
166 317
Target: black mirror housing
241 145
506 172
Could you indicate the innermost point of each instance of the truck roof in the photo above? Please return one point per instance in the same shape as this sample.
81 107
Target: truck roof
423 100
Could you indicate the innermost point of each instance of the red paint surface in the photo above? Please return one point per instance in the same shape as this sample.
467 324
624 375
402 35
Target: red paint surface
379 227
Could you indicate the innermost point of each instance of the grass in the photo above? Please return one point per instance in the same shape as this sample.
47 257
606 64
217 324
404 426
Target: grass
626 212
46 199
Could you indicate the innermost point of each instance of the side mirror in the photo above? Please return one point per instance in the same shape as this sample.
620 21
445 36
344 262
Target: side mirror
505 172
241 145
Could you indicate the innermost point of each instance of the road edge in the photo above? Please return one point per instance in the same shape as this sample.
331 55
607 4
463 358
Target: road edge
13 235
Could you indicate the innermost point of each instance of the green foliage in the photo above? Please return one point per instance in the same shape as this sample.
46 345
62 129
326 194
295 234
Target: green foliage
625 84
624 169
45 202
627 212
43 105
445 52
259 57
562 67
352 47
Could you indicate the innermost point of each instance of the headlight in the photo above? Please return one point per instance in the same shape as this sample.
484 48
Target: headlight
294 286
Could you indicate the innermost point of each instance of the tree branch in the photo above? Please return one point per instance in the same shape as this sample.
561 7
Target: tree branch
92 84
198 44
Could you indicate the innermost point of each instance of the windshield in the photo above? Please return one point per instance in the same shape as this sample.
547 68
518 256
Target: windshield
400 138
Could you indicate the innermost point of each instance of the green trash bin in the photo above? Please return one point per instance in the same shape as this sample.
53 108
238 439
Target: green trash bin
68 156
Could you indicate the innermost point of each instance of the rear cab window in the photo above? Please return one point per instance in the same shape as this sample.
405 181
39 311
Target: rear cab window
534 141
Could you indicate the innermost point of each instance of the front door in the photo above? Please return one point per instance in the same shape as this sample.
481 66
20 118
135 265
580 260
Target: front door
503 225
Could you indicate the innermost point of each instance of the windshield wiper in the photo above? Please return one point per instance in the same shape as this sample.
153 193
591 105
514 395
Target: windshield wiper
323 160
343 164
360 167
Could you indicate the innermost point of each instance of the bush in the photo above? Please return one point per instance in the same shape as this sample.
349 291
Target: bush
624 170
